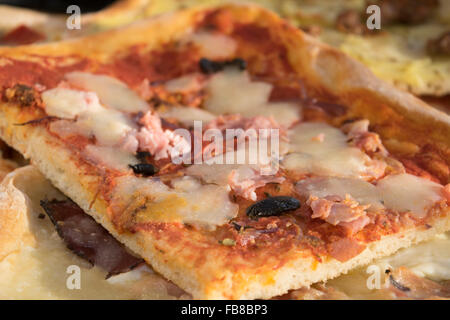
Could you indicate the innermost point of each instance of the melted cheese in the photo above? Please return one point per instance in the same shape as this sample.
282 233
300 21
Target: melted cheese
360 190
66 103
214 46
403 192
109 126
219 173
328 156
188 201
111 92
186 115
111 157
206 205
246 161
188 82
232 92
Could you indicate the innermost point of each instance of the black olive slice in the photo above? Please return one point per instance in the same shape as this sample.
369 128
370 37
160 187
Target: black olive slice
145 169
209 66
273 206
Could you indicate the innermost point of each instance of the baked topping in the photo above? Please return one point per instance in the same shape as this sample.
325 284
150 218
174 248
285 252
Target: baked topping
402 193
335 210
154 139
111 92
233 92
22 94
145 169
208 66
320 149
313 148
272 206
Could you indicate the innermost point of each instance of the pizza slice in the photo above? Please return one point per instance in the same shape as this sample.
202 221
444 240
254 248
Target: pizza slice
36 254
360 169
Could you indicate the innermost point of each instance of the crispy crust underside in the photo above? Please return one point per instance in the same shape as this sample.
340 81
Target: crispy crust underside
322 67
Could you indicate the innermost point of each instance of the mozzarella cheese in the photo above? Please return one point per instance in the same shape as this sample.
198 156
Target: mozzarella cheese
186 115
206 205
321 149
360 190
219 173
111 157
111 92
188 201
406 192
232 91
109 126
184 83
403 192
246 160
66 103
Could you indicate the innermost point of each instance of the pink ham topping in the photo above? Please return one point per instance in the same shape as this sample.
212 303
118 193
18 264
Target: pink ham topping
245 187
347 212
360 136
130 143
154 139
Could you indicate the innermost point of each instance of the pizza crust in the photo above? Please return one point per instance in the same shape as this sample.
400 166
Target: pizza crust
322 67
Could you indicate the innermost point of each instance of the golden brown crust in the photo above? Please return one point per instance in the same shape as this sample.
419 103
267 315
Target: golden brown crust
207 271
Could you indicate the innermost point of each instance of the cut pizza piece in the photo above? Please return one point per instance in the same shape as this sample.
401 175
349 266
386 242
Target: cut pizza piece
33 259
104 118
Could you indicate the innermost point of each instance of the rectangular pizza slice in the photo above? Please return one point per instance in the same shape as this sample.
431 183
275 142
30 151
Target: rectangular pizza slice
161 132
